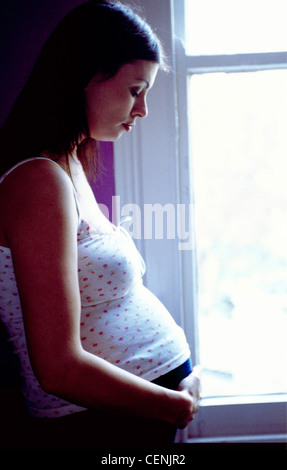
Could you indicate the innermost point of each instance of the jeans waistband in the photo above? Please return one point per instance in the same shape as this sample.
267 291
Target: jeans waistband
172 379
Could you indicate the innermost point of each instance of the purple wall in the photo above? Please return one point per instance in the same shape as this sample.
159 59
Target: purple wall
24 27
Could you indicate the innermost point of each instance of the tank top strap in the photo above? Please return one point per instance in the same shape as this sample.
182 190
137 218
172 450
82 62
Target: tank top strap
44 158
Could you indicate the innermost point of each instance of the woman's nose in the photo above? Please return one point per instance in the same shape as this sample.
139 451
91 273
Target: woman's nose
140 108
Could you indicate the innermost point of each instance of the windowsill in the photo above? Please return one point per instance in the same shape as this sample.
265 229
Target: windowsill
255 439
237 418
244 399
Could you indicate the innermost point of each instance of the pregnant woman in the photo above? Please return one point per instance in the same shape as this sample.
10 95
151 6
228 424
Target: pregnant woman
103 363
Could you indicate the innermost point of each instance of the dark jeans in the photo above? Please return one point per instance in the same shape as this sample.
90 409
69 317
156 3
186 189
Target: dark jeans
95 430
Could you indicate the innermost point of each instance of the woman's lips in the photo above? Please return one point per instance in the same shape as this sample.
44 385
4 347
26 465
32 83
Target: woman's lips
128 127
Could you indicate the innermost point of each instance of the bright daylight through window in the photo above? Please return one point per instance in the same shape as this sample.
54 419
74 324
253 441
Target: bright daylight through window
238 151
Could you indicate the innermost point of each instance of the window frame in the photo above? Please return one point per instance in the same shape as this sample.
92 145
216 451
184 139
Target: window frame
171 272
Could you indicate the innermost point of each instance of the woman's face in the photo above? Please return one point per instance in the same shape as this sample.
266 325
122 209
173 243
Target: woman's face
113 104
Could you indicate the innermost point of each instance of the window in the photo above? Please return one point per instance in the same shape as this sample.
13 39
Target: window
207 142
238 150
235 26
236 95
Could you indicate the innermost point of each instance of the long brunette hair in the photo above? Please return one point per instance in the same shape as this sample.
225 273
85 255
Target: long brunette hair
49 115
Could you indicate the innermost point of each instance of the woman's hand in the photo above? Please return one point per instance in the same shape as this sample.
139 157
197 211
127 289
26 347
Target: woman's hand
191 385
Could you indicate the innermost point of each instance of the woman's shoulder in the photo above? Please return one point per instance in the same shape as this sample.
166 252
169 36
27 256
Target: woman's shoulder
34 176
33 187
33 169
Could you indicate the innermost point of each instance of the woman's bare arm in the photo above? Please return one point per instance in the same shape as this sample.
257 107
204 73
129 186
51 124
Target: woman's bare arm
41 229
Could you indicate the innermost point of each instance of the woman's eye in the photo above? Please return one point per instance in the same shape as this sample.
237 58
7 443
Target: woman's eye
135 93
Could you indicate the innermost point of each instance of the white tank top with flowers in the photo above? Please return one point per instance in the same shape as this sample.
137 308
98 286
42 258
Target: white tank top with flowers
122 322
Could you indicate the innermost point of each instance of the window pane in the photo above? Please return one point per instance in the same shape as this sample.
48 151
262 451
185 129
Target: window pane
235 26
239 159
